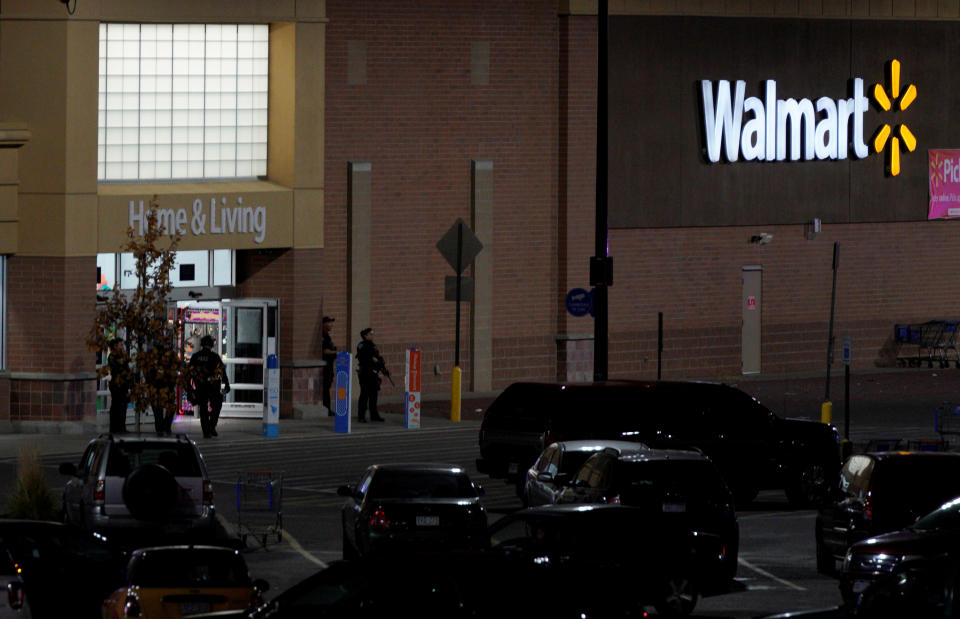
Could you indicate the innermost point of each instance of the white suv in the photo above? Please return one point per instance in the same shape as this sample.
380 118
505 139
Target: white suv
137 483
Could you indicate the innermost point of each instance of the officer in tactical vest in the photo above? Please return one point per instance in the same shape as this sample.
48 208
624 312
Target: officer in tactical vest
208 374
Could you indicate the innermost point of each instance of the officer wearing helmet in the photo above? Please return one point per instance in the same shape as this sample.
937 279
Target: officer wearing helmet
208 373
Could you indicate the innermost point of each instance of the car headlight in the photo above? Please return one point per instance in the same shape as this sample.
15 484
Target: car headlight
880 562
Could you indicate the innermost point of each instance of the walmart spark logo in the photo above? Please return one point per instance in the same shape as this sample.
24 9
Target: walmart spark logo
887 102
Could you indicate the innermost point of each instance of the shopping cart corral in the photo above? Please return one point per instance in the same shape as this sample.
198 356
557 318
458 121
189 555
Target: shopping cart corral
259 497
934 341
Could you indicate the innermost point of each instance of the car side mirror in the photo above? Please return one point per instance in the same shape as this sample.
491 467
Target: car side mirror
346 491
479 489
68 468
261 585
545 477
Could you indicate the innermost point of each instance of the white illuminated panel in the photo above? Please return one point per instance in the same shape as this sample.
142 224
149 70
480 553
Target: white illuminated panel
182 101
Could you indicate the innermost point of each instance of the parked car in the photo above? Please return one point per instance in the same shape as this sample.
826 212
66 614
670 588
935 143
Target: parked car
752 447
559 462
924 556
882 492
174 581
139 484
603 559
405 506
51 570
682 486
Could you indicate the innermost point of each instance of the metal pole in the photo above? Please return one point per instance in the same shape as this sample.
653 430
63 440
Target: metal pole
833 300
456 356
601 268
846 401
659 344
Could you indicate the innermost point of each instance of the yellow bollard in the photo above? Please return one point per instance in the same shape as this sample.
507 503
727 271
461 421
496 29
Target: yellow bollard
826 412
455 394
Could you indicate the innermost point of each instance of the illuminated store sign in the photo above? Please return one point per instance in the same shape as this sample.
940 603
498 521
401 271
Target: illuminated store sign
215 217
825 129
764 135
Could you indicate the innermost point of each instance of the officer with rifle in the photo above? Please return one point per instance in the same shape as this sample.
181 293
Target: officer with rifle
369 366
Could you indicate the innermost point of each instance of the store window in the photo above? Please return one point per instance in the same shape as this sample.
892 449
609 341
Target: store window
182 102
190 268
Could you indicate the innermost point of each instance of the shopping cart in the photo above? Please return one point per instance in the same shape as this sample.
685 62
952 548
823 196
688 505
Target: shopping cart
946 421
259 506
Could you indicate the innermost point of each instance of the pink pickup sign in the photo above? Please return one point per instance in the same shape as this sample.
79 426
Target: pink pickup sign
944 184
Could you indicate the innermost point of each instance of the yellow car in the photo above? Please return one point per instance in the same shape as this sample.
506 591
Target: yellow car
173 581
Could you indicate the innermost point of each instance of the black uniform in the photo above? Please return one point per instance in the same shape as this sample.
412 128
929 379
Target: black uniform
369 364
208 373
119 391
328 369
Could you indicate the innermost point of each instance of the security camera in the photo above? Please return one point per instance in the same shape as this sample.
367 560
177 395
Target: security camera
765 238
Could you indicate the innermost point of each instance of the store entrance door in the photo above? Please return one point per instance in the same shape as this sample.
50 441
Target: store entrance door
245 333
250 335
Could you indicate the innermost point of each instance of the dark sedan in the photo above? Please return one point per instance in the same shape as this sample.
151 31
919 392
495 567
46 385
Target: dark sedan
406 506
913 565
64 572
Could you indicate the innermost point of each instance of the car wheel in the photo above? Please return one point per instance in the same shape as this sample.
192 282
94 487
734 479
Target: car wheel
680 597
150 492
810 486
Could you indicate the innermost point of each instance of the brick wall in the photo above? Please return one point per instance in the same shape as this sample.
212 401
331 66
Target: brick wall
419 122
889 273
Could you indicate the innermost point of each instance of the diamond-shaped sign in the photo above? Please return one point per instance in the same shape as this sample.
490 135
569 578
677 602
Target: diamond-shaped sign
470 245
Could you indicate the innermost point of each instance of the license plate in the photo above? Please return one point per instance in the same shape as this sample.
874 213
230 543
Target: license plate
674 508
428 521
192 608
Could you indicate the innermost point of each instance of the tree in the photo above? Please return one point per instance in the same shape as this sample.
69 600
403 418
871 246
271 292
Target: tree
141 320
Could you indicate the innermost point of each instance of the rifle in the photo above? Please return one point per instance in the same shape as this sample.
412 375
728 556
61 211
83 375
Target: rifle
382 368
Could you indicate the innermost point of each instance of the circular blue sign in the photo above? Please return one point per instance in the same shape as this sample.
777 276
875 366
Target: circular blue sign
580 302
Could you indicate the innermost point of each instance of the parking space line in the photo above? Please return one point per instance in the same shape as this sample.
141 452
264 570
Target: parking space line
767 574
301 550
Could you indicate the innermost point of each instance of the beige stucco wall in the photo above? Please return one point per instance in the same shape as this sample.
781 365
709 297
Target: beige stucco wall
51 89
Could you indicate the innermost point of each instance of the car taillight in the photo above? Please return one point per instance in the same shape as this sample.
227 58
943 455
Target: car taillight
379 520
132 607
614 500
207 492
15 594
100 491
868 506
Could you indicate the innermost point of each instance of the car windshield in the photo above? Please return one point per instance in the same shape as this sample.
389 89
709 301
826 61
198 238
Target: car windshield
188 568
178 458
421 485
947 516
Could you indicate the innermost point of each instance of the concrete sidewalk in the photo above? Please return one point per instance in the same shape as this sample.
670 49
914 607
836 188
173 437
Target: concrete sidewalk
889 403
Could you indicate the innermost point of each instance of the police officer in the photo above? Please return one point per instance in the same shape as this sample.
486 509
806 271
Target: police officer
120 379
208 372
329 353
369 366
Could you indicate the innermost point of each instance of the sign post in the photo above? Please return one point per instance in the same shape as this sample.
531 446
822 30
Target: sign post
343 372
411 398
459 246
271 412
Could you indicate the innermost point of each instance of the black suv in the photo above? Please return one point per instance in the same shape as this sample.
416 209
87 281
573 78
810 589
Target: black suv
882 492
752 447
133 483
